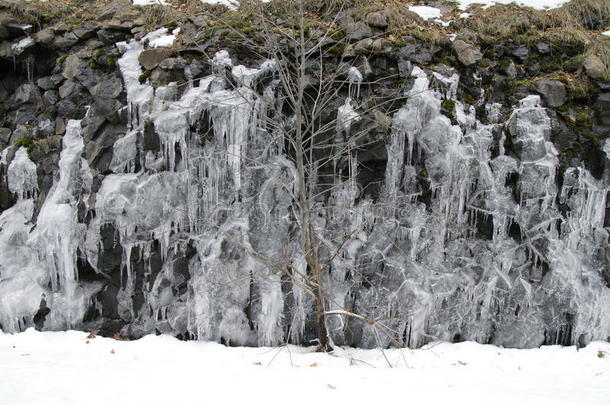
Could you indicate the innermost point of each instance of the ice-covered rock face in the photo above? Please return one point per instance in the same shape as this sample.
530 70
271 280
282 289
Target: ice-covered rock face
194 231
38 264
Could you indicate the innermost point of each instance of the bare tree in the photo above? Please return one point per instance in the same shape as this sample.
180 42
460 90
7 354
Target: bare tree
321 136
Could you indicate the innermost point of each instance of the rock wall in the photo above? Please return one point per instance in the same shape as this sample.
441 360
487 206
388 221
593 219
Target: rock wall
141 187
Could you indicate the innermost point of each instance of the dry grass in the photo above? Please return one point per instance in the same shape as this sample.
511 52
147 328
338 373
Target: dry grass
587 14
36 13
398 12
158 15
572 29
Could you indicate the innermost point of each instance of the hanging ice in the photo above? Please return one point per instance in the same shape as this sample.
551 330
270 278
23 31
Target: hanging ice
194 229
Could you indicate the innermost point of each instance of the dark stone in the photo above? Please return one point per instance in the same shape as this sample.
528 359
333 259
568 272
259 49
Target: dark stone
4 93
196 69
50 97
6 50
365 67
85 31
56 79
543 48
4 33
72 66
602 107
563 138
46 154
151 141
467 54
5 136
161 77
27 93
98 151
21 131
46 83
378 19
45 127
374 46
357 31
10 82
172 64
110 87
521 52
553 92
111 253
120 24
7 199
109 303
90 77
45 36
594 67
41 314
415 53
94 120
67 88
150 58
606 269
110 37
60 126
511 70
24 115
65 41
16 29
68 109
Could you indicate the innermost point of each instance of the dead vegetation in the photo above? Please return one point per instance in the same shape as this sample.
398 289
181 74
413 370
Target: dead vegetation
575 27
572 31
35 13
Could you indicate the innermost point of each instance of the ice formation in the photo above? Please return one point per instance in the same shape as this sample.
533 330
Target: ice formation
190 231
38 267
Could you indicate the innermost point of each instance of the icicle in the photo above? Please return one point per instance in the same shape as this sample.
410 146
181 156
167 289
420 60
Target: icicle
21 175
354 78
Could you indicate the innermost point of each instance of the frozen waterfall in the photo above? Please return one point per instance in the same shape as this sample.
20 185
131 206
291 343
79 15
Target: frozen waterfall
186 232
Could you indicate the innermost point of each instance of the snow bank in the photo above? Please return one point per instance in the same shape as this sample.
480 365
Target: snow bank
426 12
434 13
69 368
537 4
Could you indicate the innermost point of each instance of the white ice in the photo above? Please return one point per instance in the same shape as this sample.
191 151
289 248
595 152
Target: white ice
22 177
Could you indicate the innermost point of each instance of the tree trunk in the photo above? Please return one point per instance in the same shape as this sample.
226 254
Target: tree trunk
313 262
324 345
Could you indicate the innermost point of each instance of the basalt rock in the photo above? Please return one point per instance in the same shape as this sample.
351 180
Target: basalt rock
553 91
467 53
379 19
150 58
595 68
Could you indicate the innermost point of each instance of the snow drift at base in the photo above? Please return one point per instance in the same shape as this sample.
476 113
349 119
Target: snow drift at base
70 368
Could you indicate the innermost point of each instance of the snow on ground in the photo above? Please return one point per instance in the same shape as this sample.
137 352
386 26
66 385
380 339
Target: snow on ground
149 2
606 33
228 3
426 12
537 4
69 368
